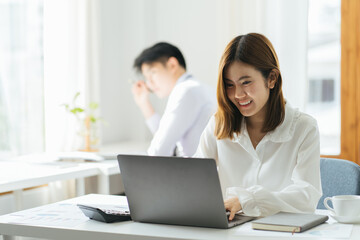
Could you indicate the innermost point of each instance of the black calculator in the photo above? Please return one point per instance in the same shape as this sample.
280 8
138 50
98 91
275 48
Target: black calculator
107 215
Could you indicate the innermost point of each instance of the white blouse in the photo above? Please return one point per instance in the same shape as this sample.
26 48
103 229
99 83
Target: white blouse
281 174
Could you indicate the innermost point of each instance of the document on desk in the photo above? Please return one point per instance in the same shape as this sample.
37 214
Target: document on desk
57 214
329 230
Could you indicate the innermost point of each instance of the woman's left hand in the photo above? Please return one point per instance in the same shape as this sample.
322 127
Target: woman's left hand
233 205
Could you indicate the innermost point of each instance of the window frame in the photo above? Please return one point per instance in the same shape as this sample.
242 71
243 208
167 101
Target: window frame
350 81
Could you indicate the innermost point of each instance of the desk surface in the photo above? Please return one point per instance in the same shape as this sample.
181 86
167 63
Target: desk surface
91 230
18 175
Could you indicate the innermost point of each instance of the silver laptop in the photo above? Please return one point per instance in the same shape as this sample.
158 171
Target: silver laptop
172 190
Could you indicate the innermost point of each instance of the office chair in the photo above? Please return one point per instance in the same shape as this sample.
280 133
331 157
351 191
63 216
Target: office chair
338 177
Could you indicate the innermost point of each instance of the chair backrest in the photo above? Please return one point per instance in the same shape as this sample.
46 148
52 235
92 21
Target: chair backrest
338 177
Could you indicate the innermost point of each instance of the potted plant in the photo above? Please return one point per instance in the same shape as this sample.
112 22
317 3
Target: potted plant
88 123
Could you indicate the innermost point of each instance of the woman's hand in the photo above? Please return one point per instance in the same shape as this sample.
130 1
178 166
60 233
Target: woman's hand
233 205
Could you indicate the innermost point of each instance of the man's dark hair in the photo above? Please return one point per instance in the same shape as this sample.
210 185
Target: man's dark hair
160 52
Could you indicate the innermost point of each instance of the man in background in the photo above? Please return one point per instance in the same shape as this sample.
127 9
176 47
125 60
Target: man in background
189 107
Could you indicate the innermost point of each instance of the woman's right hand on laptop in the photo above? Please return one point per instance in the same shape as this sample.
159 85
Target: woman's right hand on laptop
233 206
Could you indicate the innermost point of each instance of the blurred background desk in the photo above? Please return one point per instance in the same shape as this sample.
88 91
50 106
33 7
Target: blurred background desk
15 176
109 168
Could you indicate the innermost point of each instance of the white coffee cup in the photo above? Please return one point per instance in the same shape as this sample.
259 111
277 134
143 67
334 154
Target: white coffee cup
344 205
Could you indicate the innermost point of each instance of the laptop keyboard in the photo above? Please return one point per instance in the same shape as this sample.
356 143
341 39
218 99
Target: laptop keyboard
240 219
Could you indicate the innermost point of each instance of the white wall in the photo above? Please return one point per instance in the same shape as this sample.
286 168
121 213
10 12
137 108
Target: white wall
201 29
122 36
127 27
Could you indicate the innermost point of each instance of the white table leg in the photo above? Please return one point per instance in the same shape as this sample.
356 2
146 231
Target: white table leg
104 183
80 187
18 195
5 237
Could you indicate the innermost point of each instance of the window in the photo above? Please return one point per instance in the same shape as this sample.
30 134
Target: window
321 90
21 77
324 46
347 141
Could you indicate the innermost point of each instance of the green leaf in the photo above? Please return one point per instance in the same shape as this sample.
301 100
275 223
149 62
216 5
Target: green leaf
76 110
66 106
93 105
93 119
76 96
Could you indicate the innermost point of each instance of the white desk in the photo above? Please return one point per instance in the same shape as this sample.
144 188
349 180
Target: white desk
17 175
93 230
111 167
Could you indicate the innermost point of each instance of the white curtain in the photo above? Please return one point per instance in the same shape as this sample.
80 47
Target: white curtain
70 66
21 78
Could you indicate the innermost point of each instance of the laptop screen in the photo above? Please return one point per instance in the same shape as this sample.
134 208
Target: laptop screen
172 190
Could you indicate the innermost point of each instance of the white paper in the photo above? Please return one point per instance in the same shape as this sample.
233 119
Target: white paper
59 214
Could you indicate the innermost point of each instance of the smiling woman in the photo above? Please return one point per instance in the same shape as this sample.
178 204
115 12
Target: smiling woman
249 91
250 68
268 153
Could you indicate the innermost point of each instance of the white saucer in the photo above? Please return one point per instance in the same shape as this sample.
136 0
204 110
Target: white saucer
345 219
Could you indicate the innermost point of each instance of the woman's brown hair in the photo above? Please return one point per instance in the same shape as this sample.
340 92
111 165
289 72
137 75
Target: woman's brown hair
256 50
